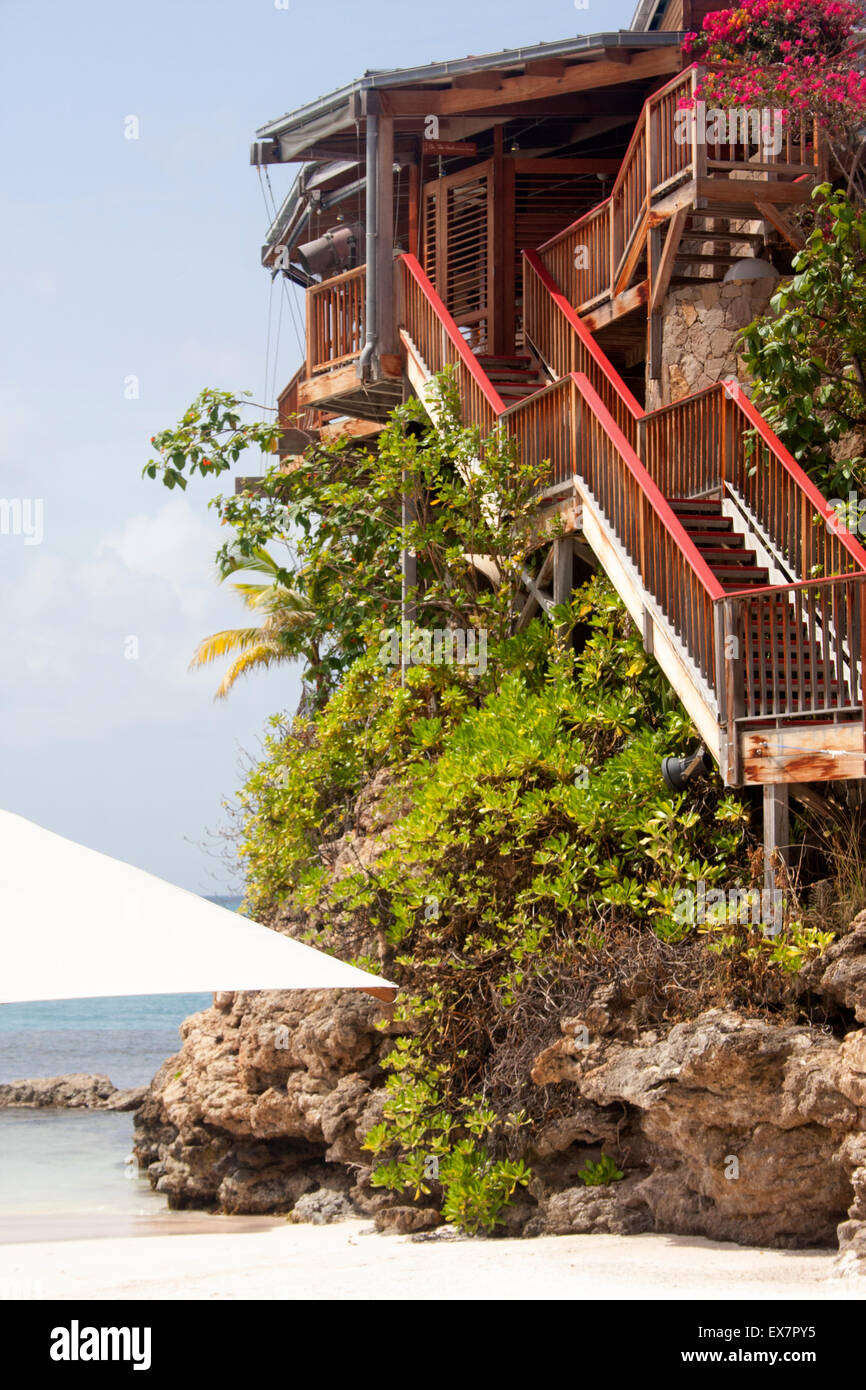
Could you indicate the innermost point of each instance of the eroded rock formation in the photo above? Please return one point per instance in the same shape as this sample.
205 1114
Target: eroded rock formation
268 1100
726 1126
76 1091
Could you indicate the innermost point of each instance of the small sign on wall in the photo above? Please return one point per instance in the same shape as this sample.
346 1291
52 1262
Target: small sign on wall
449 147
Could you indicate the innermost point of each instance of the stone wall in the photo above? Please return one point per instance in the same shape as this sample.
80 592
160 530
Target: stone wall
700 325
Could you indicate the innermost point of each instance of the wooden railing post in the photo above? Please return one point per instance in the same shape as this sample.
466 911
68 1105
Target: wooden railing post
732 657
857 675
309 315
699 147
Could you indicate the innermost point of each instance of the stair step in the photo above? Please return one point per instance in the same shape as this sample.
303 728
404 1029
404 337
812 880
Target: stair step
710 505
699 258
715 544
513 375
517 393
741 578
732 553
717 524
521 362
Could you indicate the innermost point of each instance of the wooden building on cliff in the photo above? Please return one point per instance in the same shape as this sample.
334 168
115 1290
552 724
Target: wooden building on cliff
525 216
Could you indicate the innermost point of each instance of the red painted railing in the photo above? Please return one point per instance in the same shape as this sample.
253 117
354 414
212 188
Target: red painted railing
798 648
716 443
588 425
565 345
440 344
569 424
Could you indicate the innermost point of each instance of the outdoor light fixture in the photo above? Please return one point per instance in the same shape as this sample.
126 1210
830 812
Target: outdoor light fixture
677 772
335 251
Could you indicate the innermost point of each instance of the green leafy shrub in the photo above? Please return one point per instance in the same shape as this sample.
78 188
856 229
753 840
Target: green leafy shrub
600 1174
808 353
535 829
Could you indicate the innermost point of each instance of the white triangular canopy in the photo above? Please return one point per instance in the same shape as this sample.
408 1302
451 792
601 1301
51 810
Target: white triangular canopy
75 924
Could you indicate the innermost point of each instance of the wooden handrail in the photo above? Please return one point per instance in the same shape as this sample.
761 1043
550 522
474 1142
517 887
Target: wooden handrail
659 504
572 226
469 360
657 445
435 335
757 590
799 477
335 320
598 358
568 427
799 648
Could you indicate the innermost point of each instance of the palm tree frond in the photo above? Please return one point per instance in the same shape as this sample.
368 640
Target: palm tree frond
232 639
261 656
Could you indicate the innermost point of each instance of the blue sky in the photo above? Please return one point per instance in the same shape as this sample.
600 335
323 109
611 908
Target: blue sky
139 258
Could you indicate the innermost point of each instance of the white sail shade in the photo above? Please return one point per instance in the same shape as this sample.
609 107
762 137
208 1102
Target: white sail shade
76 924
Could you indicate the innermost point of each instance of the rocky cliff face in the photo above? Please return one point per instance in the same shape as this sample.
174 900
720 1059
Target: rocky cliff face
726 1126
269 1099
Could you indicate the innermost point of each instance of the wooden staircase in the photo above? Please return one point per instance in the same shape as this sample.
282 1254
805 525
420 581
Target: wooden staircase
744 585
514 378
746 588
681 210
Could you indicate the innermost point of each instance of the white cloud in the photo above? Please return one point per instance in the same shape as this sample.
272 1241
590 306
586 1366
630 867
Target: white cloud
175 545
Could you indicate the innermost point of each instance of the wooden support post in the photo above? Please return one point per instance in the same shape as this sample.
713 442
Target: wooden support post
777 831
410 580
654 316
308 305
563 570
733 663
509 270
386 328
496 282
415 205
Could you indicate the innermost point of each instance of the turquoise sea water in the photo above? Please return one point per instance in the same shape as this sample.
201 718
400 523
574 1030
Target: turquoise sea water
126 1038
74 1161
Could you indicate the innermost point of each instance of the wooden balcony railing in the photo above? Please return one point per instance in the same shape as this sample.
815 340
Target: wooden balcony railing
594 258
292 415
564 345
440 344
797 649
335 320
569 425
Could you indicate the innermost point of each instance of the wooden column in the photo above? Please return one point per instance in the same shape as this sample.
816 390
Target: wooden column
502 286
410 579
385 225
654 316
563 571
777 831
414 205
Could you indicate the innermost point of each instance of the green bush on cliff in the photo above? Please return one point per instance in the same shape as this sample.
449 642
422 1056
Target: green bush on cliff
536 824
532 841
808 353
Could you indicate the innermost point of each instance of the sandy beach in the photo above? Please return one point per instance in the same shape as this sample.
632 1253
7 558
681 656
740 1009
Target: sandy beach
348 1261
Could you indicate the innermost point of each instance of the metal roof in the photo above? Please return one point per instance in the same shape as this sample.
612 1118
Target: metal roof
580 45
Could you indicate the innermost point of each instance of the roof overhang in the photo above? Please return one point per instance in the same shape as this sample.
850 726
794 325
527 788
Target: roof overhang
525 74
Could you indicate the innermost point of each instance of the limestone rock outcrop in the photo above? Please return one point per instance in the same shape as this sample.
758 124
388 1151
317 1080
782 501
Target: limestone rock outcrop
75 1091
740 1128
738 1125
268 1100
